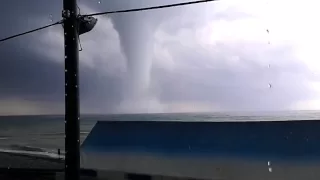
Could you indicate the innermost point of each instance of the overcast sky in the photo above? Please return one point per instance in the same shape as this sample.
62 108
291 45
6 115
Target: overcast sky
218 56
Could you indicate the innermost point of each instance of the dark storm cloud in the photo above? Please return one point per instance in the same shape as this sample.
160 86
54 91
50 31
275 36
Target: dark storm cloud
19 16
26 74
32 76
230 75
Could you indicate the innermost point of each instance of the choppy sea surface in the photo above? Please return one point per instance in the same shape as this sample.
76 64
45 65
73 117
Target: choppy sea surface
44 135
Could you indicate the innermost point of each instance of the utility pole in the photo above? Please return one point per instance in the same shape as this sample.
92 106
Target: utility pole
72 114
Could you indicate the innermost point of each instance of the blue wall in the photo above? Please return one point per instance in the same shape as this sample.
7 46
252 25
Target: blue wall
287 140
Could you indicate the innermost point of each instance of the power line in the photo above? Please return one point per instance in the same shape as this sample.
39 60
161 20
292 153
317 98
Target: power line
27 32
113 12
151 8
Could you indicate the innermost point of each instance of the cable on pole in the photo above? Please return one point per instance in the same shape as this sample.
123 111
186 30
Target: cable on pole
150 8
31 31
113 12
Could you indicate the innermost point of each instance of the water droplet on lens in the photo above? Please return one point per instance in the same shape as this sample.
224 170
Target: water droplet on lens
99 2
50 17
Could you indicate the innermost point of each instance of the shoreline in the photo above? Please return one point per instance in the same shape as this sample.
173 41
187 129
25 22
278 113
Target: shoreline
47 158
24 161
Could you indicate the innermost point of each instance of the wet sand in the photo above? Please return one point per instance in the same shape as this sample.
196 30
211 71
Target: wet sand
16 166
13 160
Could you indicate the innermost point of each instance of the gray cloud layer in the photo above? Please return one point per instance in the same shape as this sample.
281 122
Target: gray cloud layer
186 73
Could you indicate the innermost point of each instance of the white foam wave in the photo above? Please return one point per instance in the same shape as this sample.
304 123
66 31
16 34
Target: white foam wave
33 153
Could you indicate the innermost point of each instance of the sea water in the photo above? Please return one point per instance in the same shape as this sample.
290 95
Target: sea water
44 135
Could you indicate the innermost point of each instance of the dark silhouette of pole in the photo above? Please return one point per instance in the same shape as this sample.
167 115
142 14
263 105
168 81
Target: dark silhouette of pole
72 114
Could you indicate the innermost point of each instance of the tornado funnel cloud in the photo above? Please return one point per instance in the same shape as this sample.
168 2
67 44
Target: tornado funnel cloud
136 33
136 40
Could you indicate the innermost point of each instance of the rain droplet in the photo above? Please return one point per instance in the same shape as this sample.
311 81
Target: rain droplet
269 65
270 169
267 30
270 85
99 2
51 17
269 163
